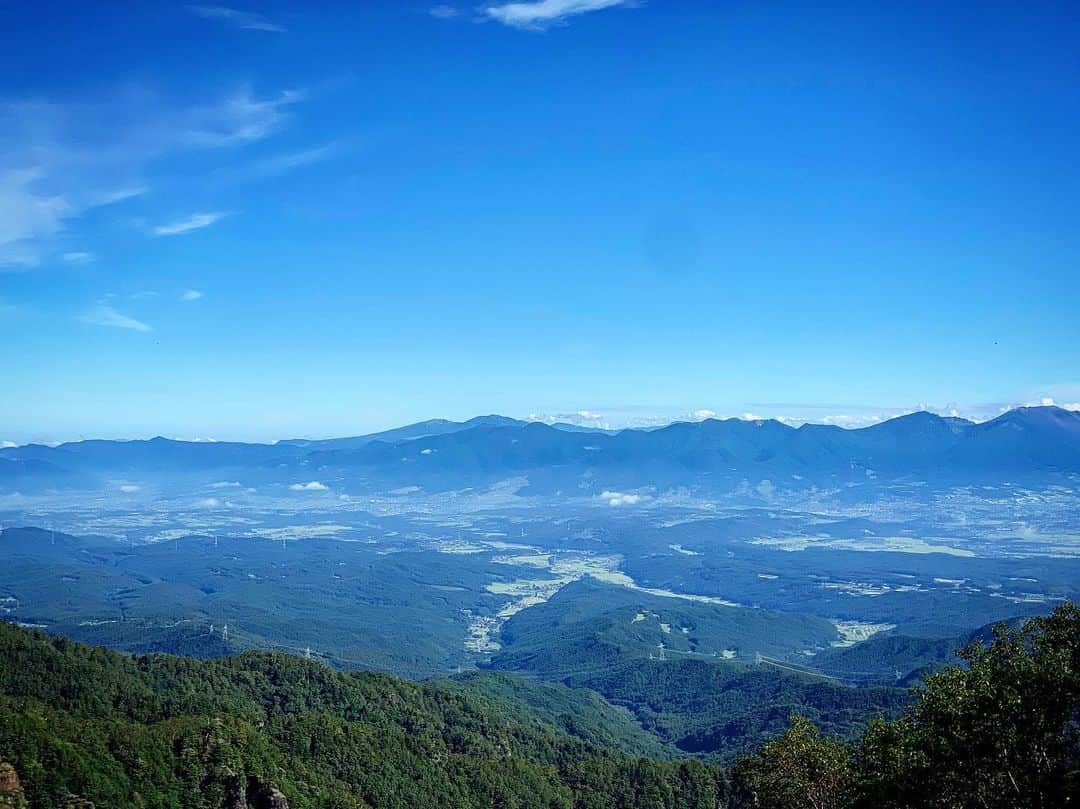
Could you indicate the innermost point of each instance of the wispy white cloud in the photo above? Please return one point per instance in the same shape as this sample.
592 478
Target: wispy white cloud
540 14
235 120
78 257
623 498
27 212
191 295
59 161
197 221
1068 391
248 20
582 418
311 486
282 163
118 195
444 12
1042 401
105 315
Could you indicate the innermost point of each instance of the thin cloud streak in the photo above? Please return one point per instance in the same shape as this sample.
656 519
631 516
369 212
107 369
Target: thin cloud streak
103 315
196 221
443 12
280 164
247 20
541 14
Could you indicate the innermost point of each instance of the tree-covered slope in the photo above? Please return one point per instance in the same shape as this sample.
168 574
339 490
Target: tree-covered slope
723 710
588 621
901 660
663 659
173 732
271 732
1001 732
579 712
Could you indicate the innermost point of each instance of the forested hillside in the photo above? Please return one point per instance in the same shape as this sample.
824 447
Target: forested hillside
609 640
1001 733
269 731
164 731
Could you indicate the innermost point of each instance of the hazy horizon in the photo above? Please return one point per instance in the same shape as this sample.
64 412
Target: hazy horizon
852 419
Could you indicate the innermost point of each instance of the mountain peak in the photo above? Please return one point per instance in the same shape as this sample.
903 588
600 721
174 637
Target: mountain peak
1041 417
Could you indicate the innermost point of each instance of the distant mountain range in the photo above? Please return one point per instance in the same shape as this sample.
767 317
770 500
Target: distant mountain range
1031 444
422 429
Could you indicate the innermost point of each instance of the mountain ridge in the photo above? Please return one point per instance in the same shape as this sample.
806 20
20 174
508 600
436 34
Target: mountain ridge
1033 443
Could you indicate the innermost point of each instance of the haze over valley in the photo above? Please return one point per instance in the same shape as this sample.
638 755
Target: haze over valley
853 559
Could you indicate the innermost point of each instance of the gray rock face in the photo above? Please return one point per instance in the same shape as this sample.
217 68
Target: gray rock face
11 791
266 796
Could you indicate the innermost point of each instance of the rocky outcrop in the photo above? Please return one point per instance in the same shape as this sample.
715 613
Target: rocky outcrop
235 796
253 795
12 795
76 802
11 791
265 796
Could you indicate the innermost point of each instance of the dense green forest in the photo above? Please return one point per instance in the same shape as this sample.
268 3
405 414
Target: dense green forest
1001 732
607 639
80 723
162 731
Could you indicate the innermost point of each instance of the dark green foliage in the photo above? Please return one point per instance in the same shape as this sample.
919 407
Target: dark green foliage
403 613
722 710
800 768
1000 733
889 659
173 732
578 712
901 659
607 639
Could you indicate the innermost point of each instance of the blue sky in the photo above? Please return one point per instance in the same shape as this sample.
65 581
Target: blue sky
284 219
